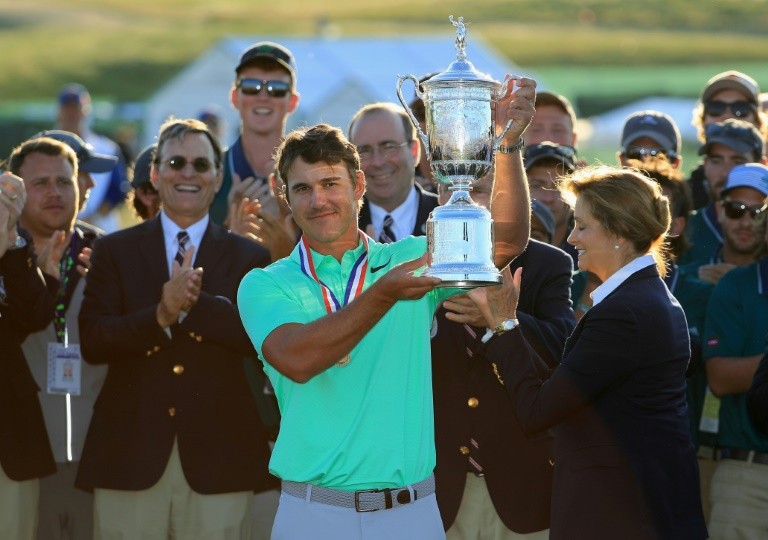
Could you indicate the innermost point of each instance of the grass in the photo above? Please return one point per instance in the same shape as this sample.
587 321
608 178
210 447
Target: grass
600 53
123 50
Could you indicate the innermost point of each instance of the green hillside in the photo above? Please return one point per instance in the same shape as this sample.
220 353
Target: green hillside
123 50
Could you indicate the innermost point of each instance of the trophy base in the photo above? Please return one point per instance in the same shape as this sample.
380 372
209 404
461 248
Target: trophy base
466 278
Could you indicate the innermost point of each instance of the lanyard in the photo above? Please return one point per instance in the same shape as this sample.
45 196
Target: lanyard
60 311
354 283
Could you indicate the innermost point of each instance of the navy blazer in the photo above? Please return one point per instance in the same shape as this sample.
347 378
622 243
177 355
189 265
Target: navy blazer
25 452
624 463
427 202
518 470
190 387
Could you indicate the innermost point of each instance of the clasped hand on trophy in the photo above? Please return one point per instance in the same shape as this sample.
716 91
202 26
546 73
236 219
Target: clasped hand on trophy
487 306
516 104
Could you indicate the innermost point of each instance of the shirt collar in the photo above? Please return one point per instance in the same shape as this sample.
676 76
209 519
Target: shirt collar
404 216
238 162
171 230
619 277
319 259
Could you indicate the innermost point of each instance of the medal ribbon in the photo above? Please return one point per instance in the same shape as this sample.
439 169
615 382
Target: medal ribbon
354 283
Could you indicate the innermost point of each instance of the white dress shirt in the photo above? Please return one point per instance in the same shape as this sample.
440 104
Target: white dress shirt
404 216
619 277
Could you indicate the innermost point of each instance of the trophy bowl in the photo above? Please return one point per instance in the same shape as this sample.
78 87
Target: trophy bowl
460 144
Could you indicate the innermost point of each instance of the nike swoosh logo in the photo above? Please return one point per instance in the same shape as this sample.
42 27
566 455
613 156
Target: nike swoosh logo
375 269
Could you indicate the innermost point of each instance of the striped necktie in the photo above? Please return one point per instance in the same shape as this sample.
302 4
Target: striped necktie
183 239
387 236
474 448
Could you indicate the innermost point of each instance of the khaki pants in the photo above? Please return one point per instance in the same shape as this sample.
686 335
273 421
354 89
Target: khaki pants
739 501
477 518
171 509
66 513
707 464
18 507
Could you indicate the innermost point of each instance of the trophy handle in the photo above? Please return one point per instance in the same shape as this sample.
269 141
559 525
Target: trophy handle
400 80
499 93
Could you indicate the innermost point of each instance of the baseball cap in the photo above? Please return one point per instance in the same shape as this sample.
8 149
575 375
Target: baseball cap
550 151
732 80
544 215
74 93
551 98
752 175
270 51
87 159
142 166
652 124
733 133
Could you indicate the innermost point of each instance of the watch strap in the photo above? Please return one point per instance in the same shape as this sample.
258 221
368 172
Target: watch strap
503 149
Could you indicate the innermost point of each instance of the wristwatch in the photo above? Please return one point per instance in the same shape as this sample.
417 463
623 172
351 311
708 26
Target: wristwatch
505 326
511 149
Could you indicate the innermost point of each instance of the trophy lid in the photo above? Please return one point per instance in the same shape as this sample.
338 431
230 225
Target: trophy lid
461 70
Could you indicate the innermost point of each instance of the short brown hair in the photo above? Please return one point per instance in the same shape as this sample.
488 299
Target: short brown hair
175 128
626 203
320 143
43 145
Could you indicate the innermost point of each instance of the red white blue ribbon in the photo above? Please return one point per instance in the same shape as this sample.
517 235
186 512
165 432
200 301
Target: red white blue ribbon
354 284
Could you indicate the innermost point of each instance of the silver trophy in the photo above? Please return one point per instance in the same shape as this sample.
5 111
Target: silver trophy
460 143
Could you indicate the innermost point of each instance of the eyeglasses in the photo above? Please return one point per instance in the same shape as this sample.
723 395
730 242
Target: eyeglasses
251 87
736 209
200 164
739 109
641 152
386 149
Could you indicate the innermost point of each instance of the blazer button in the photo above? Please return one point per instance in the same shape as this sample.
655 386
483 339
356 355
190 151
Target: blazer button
464 450
171 411
473 402
178 369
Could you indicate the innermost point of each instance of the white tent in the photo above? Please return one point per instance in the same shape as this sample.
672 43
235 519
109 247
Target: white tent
605 129
335 76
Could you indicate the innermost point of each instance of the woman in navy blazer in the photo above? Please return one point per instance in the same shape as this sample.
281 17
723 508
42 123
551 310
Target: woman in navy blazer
624 463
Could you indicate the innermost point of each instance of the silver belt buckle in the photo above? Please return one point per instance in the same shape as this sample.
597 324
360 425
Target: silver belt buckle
357 499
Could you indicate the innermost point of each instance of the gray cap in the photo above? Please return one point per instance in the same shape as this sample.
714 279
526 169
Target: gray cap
87 159
652 124
733 133
142 166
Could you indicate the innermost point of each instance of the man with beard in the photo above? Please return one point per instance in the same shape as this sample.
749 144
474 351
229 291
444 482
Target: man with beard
49 169
728 144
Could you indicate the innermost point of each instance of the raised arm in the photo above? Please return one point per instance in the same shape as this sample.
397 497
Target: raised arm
510 199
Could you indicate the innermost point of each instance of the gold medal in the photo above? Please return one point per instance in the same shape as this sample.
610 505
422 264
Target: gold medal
344 360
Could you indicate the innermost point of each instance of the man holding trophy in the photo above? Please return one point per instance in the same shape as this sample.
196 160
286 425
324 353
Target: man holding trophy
343 324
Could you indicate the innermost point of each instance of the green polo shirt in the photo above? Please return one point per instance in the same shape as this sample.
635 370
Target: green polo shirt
368 424
693 295
736 325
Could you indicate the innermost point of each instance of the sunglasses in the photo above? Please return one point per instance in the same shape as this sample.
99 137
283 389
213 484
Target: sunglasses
736 209
641 152
739 109
251 87
200 164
